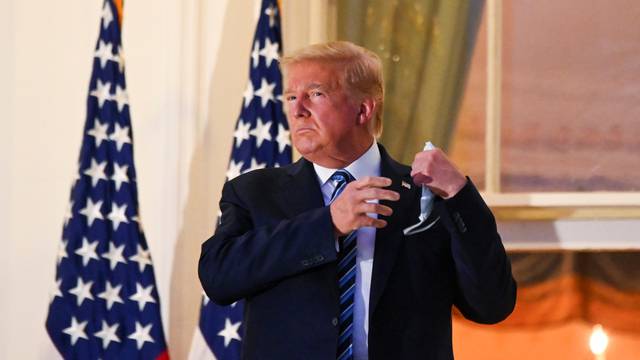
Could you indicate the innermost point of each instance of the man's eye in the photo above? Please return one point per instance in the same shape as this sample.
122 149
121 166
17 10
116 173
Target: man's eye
290 98
316 93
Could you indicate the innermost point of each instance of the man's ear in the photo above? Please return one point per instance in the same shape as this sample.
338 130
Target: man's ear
367 109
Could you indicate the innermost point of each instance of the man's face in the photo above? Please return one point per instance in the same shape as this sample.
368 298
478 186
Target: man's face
323 116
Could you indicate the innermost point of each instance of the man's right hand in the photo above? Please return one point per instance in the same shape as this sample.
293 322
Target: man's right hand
349 210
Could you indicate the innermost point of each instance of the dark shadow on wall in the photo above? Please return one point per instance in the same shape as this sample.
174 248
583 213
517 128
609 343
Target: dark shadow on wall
207 173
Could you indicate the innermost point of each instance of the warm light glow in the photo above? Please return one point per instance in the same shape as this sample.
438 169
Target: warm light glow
598 341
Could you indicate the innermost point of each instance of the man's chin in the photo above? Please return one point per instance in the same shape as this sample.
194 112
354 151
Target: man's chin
304 144
307 149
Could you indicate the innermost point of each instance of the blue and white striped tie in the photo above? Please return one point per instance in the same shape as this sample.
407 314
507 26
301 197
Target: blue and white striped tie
346 275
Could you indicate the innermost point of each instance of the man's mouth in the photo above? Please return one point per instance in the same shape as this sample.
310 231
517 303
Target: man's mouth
303 130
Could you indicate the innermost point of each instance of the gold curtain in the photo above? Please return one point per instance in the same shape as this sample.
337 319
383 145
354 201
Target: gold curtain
425 46
561 295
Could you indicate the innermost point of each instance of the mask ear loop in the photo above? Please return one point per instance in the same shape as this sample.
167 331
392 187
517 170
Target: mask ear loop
416 228
426 206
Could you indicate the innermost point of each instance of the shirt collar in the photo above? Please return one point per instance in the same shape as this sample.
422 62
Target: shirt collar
368 164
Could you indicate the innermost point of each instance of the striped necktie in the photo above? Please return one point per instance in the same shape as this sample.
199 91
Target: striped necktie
346 275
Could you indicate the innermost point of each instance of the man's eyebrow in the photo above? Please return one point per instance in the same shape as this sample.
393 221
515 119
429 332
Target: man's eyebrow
327 87
310 86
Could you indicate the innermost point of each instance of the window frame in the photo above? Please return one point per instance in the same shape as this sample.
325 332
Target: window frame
535 205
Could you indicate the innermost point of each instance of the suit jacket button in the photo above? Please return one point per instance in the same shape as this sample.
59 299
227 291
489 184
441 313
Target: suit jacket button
334 321
319 258
305 262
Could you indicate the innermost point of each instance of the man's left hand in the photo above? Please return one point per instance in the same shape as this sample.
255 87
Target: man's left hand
433 169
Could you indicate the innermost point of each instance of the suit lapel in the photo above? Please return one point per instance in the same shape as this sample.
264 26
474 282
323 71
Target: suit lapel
389 238
300 190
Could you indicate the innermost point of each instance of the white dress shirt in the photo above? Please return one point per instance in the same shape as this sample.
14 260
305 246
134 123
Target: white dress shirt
366 165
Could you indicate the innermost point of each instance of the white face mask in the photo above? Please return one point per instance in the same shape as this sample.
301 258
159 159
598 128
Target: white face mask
426 206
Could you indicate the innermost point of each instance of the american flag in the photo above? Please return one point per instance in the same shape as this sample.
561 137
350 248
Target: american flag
104 303
261 139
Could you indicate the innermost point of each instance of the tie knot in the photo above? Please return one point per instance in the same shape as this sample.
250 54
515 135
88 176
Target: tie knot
342 176
340 179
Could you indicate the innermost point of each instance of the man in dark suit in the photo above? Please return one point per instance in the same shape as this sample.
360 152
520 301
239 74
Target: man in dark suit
317 248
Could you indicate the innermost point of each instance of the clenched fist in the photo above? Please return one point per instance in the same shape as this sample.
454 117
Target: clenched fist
433 169
349 210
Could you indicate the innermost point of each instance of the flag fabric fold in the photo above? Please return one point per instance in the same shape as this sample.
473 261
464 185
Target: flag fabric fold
104 303
261 139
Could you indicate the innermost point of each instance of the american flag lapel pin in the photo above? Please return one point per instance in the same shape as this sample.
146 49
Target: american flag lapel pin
406 184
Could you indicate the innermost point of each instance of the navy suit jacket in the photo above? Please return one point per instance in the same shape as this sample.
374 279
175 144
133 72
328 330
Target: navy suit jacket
275 248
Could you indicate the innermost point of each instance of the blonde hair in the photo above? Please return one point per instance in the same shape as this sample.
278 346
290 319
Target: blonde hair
361 69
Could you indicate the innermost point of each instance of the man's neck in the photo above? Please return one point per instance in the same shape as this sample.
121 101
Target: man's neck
342 159
366 165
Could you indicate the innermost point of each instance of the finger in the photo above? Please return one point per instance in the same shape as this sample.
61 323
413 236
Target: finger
421 179
421 169
378 194
378 223
424 157
373 208
366 221
372 181
439 192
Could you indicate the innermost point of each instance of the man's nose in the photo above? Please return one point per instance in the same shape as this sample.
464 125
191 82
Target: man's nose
299 109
